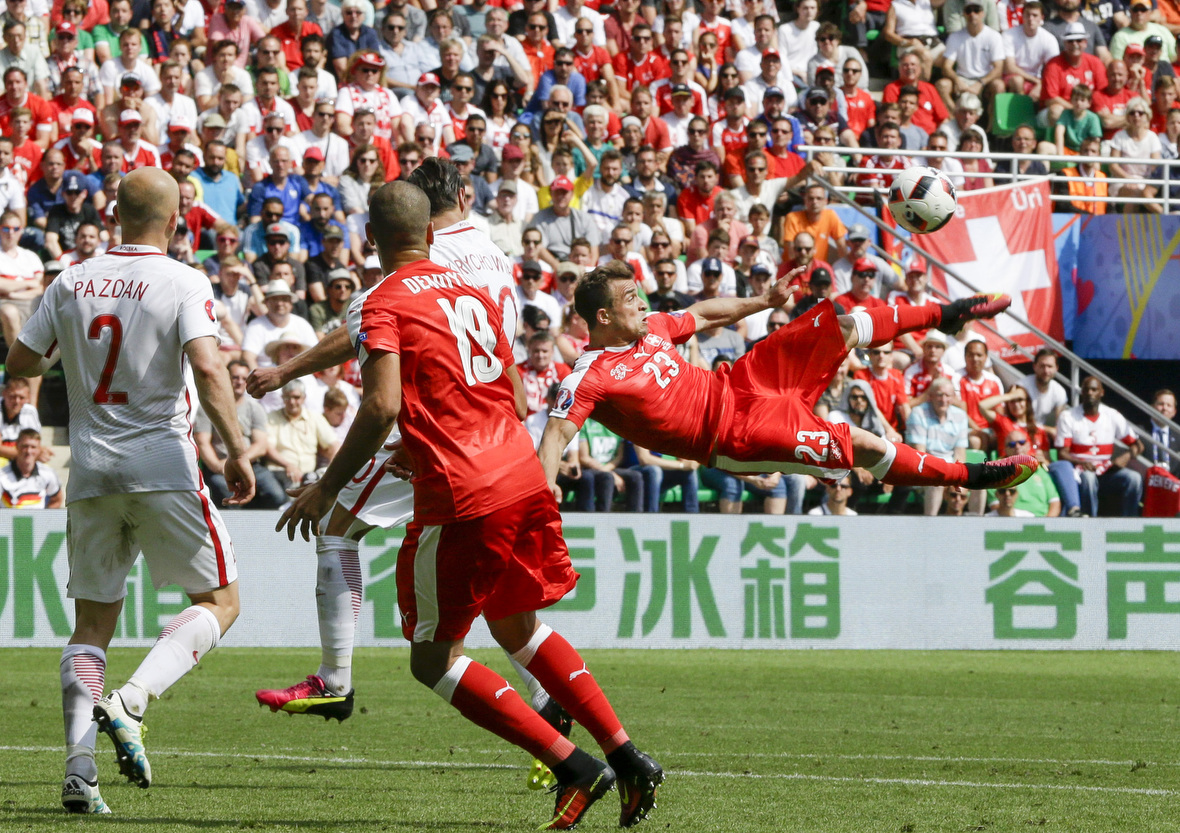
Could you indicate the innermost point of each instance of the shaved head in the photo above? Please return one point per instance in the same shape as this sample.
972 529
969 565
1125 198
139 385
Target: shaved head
399 219
148 203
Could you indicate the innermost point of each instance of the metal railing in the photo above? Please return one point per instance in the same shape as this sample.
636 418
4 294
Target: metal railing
1169 172
1077 362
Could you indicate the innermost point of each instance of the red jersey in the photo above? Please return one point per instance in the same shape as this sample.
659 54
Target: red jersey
83 161
471 453
43 116
692 205
591 65
139 156
1058 78
733 141
917 379
302 120
26 163
877 178
931 111
536 384
850 302
782 167
647 393
661 90
651 67
198 219
540 58
889 393
1003 425
63 112
971 392
1161 494
656 134
724 32
290 42
862 111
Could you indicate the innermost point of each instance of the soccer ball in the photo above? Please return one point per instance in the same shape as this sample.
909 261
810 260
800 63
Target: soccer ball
922 200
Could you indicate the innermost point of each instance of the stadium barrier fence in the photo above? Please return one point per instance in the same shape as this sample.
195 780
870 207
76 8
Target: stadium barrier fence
1167 178
685 581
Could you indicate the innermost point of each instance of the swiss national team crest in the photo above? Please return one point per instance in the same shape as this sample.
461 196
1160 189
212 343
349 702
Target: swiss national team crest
209 311
619 371
1001 240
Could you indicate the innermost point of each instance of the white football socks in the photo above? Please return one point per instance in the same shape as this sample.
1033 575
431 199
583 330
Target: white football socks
339 591
83 673
188 637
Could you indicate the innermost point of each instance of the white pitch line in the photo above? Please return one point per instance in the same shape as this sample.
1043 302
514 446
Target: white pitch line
786 776
952 759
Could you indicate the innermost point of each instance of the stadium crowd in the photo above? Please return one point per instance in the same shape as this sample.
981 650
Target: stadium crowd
658 132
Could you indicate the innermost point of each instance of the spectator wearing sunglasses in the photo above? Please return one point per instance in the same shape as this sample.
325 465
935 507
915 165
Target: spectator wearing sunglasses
1006 505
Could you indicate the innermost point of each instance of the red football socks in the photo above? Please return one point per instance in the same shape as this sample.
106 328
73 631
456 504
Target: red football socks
487 700
890 322
563 673
913 468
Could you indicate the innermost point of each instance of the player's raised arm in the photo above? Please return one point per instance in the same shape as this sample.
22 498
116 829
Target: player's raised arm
217 398
722 312
332 349
558 433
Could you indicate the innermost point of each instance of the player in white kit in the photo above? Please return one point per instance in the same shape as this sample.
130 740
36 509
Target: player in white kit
375 498
136 332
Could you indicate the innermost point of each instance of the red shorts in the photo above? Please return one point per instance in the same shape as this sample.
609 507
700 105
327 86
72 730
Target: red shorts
511 561
772 425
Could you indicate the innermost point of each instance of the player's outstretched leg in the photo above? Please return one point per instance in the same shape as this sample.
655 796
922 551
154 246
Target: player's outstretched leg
902 465
563 672
193 633
338 594
83 670
884 324
489 701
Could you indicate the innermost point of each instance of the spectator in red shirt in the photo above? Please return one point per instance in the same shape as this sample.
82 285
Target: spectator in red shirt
1072 67
16 94
888 385
197 216
641 64
593 62
783 164
931 110
291 33
695 204
888 138
655 130
540 371
1110 103
620 25
862 110
804 248
537 47
864 286
70 99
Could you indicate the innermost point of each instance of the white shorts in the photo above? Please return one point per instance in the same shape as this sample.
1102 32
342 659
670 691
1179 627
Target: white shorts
376 498
181 534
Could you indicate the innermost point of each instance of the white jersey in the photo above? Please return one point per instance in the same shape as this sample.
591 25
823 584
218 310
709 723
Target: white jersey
469 252
121 321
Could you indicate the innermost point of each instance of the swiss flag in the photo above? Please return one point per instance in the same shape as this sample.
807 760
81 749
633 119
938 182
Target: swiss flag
1001 240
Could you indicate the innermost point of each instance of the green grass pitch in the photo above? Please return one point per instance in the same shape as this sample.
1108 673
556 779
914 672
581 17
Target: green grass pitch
752 741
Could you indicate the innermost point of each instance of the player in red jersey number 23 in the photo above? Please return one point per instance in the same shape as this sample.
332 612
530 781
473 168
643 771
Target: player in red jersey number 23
758 415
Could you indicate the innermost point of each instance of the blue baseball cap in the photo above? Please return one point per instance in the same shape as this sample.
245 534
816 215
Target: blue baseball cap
73 182
711 264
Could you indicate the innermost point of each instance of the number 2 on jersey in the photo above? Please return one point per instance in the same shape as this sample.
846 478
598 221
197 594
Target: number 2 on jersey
103 395
468 319
653 367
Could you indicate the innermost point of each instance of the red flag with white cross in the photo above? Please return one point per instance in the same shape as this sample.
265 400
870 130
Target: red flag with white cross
1001 240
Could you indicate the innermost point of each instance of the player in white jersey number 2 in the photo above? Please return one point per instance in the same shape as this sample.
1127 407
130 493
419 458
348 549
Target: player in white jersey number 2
136 331
374 497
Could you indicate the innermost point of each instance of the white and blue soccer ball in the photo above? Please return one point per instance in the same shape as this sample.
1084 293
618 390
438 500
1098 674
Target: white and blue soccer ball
922 199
